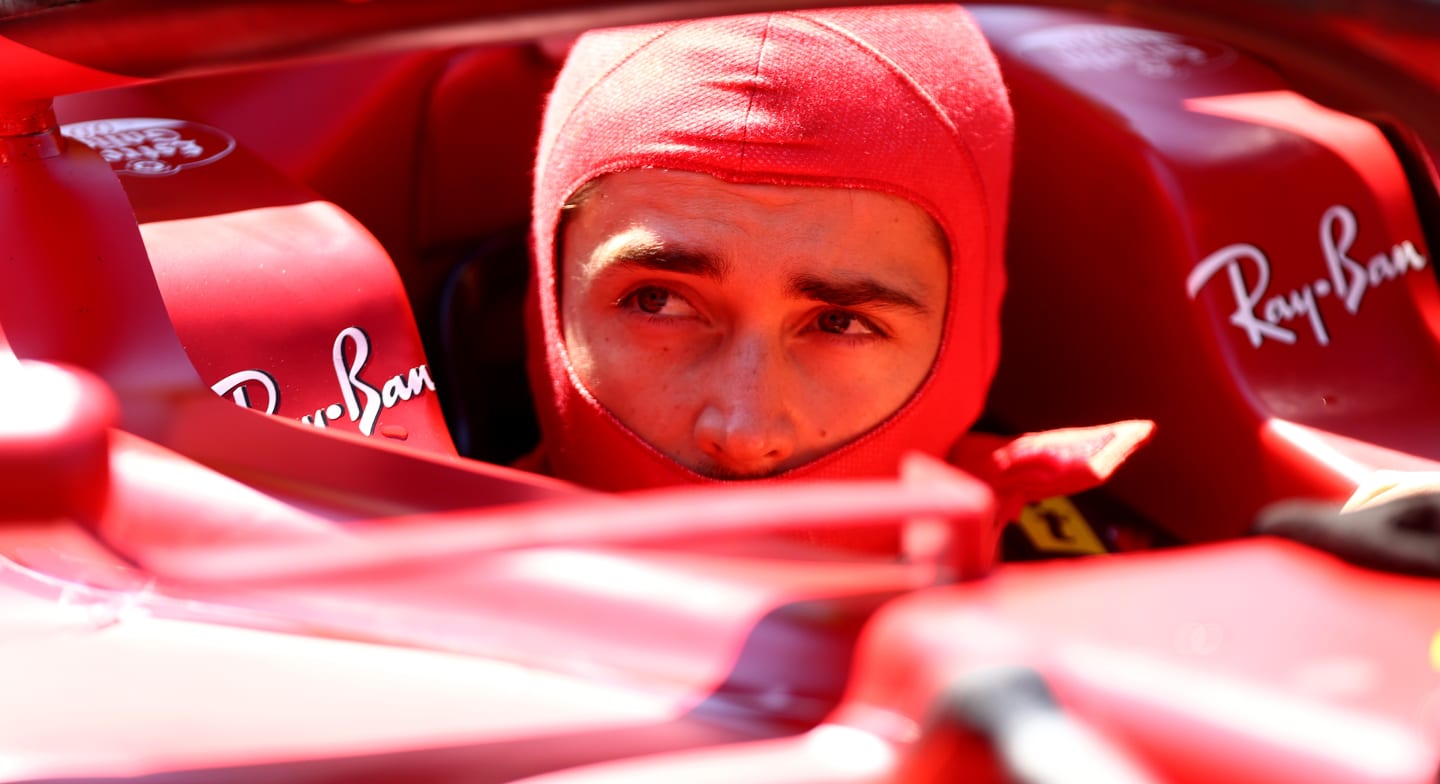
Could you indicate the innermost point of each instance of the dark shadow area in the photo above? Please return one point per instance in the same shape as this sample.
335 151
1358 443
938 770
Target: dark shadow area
476 345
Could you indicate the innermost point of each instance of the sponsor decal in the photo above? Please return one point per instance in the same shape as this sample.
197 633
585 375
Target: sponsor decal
1054 525
237 386
1111 48
361 401
1263 315
151 146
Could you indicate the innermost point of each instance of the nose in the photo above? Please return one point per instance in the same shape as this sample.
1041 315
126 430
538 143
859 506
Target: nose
746 428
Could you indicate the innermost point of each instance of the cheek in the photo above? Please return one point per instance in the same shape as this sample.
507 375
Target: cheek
848 392
644 379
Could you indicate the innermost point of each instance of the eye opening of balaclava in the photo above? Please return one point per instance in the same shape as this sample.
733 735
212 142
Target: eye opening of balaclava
904 100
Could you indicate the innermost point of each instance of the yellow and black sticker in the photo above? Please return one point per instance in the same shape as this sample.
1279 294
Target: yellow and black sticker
1055 526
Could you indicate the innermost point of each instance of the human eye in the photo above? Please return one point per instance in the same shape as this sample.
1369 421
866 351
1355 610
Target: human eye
846 323
657 301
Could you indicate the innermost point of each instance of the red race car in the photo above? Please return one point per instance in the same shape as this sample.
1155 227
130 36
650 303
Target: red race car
1222 221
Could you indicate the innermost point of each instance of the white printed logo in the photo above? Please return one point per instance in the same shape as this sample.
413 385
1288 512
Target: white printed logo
236 385
1110 48
151 146
1261 316
360 401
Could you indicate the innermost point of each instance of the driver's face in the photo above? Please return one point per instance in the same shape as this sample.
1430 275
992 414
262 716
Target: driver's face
743 330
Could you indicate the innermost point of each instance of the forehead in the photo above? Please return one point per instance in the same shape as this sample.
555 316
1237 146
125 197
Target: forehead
849 227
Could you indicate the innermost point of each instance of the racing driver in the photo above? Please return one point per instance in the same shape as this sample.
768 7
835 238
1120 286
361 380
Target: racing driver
771 246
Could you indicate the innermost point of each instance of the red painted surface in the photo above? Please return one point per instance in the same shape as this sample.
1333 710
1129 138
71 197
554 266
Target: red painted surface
1249 661
1210 263
187 586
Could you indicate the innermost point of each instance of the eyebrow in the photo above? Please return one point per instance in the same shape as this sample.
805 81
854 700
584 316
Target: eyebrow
650 254
850 293
667 257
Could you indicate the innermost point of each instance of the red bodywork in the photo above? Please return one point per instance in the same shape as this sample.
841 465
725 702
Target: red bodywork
319 219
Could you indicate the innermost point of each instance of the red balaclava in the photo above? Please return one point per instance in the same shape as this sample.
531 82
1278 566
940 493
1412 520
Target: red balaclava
904 100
